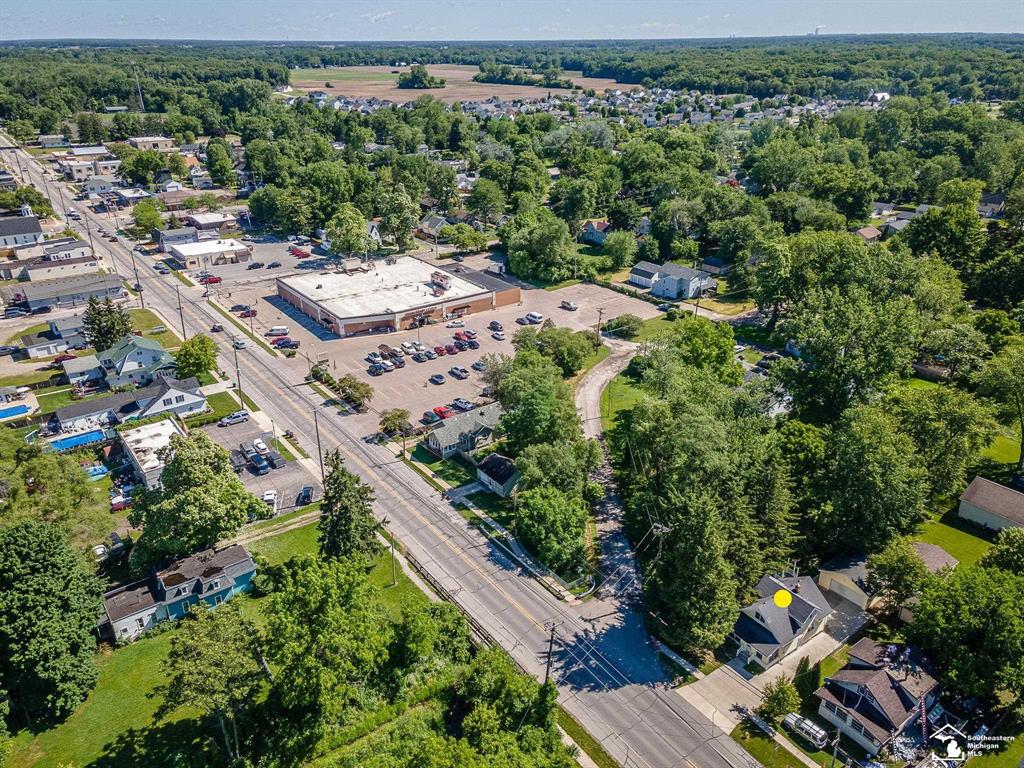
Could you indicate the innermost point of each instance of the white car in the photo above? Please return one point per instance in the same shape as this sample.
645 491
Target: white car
408 347
455 324
420 346
260 446
498 335
234 418
270 499
238 343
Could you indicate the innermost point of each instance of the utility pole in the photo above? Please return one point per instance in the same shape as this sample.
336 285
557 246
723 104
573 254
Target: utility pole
181 313
138 87
238 376
600 315
551 645
142 299
391 538
319 450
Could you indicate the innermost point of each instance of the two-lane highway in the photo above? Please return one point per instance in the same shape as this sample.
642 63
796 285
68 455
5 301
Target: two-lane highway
608 678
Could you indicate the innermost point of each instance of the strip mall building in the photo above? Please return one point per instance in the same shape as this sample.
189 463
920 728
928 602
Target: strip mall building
380 296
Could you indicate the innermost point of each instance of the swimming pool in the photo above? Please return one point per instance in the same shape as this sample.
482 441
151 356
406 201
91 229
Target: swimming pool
67 443
96 471
14 410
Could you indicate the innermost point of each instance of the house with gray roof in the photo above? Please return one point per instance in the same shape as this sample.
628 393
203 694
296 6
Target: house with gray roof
65 291
168 237
879 695
135 360
643 274
210 577
20 230
992 505
464 432
847 577
83 370
769 628
675 281
182 397
498 474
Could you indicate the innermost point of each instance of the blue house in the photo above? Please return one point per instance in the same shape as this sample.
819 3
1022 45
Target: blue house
209 576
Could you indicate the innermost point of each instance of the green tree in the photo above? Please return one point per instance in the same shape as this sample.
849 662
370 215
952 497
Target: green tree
690 585
355 391
200 501
971 625
328 637
621 248
565 466
1007 552
538 404
486 200
950 428
1002 381
196 356
218 161
395 421
347 230
552 525
214 668
463 237
542 247
955 233
347 527
874 487
398 217
625 215
49 607
105 323
147 218
897 573
624 326
778 698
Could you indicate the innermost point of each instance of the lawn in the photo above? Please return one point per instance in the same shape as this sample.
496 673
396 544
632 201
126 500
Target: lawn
115 725
29 377
1005 449
621 394
220 403
52 398
763 749
448 470
144 320
32 329
653 328
728 301
277 549
502 511
338 74
1012 755
955 536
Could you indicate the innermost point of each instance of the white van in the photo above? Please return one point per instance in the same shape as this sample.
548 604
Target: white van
278 330
535 317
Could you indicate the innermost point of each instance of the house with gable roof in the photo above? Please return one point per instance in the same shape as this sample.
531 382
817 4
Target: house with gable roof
135 360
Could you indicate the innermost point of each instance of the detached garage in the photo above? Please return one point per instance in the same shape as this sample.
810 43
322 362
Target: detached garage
992 505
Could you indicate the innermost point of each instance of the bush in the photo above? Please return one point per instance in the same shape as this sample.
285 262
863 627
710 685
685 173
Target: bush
624 326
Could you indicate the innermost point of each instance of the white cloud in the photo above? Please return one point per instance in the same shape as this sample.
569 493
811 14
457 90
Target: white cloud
376 18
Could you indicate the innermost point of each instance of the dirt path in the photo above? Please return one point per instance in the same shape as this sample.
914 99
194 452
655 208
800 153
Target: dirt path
247 537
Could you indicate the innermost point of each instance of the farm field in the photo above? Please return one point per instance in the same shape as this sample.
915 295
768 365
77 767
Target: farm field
382 83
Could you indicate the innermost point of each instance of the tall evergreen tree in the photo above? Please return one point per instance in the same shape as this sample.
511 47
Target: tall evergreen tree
347 527
105 323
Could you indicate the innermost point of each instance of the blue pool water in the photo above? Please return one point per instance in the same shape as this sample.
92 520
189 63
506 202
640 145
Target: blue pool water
67 443
96 472
14 410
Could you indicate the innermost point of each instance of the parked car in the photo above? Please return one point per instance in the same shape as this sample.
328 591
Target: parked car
216 328
664 307
62 358
420 346
274 265
444 411
15 312
806 728
461 345
375 370
255 265
247 313
239 307
120 503
290 344
534 318
455 324
210 280
277 330
458 372
431 354
522 320
259 464
374 357
305 496
437 378
260 446
270 499
237 417
239 343
469 333
440 351
420 357
429 417
459 335
387 365
42 310
277 340
463 404
9 349
479 365
473 344
569 305
451 349
275 460
498 335
398 362
408 347
494 325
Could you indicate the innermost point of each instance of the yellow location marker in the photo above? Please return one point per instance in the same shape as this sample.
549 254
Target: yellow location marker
783 598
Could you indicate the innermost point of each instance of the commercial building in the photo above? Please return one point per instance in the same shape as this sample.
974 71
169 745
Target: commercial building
65 291
20 230
209 252
383 296
209 577
155 143
79 170
211 221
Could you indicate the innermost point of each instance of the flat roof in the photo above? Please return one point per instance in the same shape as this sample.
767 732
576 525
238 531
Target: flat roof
206 247
384 289
146 441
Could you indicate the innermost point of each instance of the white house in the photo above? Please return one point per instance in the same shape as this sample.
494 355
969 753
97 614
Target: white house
135 360
992 505
643 274
498 474
166 395
144 445
20 230
675 281
464 431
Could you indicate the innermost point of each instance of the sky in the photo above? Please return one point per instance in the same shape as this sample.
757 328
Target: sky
359 20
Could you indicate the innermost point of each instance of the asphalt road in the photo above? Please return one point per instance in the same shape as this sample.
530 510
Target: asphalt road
608 677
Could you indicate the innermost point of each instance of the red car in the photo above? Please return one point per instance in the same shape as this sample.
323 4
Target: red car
279 340
210 280
62 358
460 335
451 349
444 411
440 351
247 313
469 334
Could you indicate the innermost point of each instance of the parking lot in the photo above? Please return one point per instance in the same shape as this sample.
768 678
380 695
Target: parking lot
287 481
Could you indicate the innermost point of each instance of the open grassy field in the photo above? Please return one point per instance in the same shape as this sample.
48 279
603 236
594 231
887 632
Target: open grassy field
382 82
621 394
